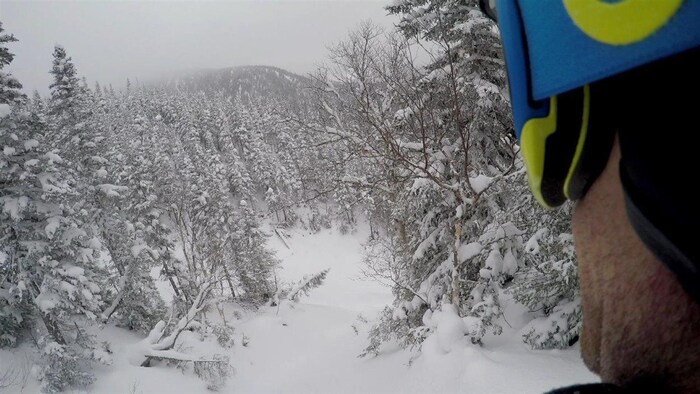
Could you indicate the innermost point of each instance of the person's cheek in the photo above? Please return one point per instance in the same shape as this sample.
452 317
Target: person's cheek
590 287
595 245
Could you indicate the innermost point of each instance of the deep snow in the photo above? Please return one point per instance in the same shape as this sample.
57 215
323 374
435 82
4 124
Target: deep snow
312 347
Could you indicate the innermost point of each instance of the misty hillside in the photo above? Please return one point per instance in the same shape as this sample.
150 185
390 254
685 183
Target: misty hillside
242 81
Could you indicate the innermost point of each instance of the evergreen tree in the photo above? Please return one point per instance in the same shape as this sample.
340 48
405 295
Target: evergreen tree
9 85
49 275
65 87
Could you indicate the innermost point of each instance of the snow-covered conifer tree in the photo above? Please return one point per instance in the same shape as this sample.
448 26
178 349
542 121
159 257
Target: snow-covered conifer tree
9 85
49 269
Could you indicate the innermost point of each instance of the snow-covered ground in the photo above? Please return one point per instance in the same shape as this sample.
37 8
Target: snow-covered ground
312 347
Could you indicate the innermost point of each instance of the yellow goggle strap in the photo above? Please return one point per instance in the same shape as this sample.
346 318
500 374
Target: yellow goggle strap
595 140
553 146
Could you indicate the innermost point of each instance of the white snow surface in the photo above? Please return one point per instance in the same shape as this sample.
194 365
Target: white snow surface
5 110
112 190
480 182
311 346
8 151
467 251
30 144
53 157
53 224
532 246
101 173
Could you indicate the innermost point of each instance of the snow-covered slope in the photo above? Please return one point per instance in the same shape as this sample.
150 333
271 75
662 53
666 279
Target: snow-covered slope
312 347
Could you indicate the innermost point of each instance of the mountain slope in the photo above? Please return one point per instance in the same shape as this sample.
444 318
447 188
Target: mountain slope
242 81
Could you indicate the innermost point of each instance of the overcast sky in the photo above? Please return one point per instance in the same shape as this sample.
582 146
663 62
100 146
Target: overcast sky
110 41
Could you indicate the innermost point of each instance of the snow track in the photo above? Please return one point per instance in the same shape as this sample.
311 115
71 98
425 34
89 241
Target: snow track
313 348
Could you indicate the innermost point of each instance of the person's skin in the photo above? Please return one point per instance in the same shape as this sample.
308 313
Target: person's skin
640 328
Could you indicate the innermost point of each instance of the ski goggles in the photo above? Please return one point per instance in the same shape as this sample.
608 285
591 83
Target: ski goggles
556 53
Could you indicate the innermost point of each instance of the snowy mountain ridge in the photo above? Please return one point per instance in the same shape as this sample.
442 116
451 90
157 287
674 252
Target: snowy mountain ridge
251 81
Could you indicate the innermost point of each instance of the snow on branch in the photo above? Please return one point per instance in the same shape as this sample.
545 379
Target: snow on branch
159 345
305 285
112 190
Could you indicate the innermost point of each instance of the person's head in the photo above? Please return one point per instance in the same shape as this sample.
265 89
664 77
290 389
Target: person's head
604 97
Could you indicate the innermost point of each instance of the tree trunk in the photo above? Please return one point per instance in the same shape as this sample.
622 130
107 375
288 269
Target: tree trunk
230 282
457 265
52 327
169 274
50 323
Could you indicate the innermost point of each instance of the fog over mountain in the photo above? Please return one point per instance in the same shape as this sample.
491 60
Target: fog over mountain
112 41
260 81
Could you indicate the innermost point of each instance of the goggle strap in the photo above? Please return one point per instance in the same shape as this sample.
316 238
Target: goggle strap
595 142
549 144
